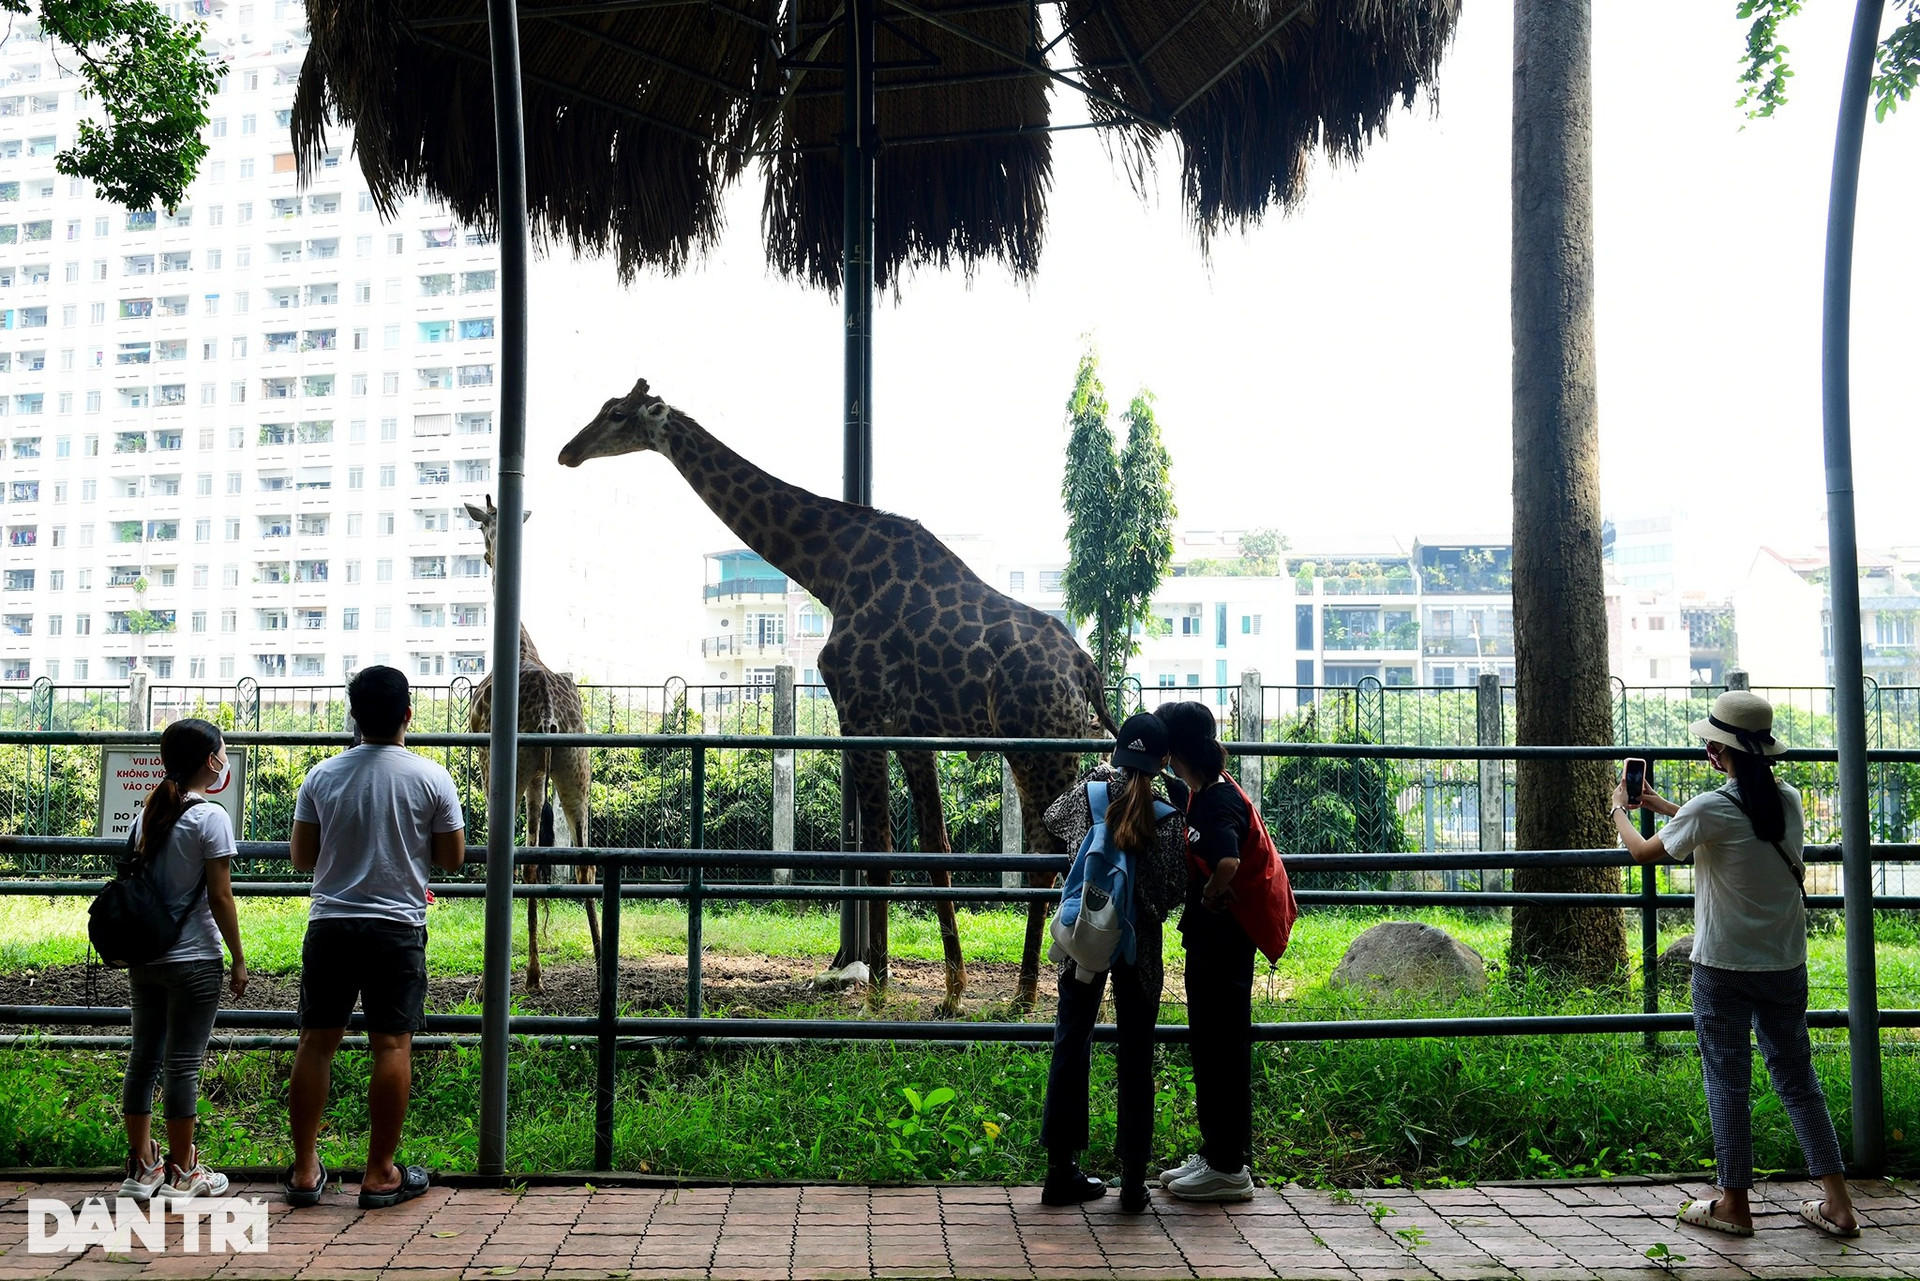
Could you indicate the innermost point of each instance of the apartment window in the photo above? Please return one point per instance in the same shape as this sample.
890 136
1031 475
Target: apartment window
386 524
200 575
203 531
233 529
199 624
356 477
203 484
362 293
390 383
387 476
1303 628
389 429
353 571
82 626
357 431
350 619
383 573
229 620
229 575
353 524
390 337
234 481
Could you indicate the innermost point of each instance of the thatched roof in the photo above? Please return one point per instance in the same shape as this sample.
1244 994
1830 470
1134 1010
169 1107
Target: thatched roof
640 112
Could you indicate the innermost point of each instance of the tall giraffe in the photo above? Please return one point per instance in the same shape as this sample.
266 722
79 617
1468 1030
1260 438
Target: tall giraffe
549 704
920 646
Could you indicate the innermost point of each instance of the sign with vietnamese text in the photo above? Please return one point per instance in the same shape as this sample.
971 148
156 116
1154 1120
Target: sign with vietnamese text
128 774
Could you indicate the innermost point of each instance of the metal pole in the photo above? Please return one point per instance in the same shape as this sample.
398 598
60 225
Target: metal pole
858 144
1856 821
785 721
696 880
1649 926
1489 731
497 966
603 1076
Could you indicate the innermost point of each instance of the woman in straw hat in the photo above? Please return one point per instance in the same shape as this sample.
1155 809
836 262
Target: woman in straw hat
1749 958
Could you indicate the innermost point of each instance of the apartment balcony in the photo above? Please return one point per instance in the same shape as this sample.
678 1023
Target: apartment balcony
740 647
1367 586
1371 643
1468 646
746 588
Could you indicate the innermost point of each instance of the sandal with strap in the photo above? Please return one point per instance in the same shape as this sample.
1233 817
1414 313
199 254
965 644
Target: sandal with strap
1810 1212
299 1196
1699 1213
414 1181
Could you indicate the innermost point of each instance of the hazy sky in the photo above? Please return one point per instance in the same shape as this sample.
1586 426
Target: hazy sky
1341 374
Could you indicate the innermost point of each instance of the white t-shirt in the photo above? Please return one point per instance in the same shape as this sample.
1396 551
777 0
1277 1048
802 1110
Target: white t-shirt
1747 913
377 807
203 832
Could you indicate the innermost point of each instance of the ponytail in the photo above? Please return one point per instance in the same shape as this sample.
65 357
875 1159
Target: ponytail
184 749
1759 793
1130 813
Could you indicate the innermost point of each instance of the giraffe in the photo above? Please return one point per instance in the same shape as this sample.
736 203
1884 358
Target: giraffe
920 646
549 704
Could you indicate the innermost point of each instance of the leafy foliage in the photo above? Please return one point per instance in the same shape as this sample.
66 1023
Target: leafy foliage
1765 72
153 80
1120 514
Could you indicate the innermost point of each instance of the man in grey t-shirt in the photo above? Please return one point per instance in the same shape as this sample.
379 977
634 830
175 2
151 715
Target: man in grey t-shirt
368 824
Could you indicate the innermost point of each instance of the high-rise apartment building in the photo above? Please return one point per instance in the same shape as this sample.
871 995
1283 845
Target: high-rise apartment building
235 440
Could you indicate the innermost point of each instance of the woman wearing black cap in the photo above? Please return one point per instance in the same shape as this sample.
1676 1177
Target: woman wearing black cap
1157 846
1219 965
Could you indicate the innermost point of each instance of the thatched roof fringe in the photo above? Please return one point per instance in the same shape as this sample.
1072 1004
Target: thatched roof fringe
639 113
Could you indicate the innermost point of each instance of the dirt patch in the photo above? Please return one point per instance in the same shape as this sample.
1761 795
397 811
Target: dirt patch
731 986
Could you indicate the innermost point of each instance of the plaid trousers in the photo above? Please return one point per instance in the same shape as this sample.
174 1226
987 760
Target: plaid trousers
1773 1005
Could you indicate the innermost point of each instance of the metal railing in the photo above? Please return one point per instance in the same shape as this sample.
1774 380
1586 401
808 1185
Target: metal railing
613 1033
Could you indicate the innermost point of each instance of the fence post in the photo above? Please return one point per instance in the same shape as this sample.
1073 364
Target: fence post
784 721
138 709
1251 729
609 1015
1649 925
696 882
1012 825
1737 678
1491 732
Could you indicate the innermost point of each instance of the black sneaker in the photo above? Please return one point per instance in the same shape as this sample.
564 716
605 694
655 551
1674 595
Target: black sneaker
1070 1186
1133 1191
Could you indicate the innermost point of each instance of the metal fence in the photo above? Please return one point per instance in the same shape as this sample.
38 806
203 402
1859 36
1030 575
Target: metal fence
702 875
643 798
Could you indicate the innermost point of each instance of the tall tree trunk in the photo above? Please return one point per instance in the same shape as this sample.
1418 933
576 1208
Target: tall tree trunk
1559 607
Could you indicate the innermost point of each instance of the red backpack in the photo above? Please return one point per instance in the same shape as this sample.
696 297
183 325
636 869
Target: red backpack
1263 902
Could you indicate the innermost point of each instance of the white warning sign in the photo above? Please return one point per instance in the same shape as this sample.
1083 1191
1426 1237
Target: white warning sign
127 774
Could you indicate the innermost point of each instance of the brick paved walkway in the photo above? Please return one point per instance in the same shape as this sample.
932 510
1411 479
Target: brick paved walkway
1537 1231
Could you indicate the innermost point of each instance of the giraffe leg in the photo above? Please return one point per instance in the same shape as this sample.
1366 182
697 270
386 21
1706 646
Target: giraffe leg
573 811
876 836
923 781
536 875
1040 779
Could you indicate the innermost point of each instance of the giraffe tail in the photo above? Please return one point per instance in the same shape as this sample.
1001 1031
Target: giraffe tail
1096 690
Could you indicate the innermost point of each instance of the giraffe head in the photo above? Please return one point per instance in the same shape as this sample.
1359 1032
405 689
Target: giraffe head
626 424
488 518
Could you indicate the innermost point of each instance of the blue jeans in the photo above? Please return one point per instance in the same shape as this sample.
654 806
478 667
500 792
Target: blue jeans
1730 1008
173 1008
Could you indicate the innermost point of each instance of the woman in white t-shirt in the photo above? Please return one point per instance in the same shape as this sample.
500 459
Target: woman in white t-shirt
187 838
1745 842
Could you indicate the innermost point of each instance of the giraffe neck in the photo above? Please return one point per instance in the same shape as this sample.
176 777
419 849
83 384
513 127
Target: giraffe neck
529 656
793 529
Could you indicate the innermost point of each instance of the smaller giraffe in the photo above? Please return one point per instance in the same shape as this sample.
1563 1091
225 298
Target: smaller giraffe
549 704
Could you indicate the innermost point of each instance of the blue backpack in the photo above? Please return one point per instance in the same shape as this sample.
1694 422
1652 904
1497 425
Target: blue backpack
1094 926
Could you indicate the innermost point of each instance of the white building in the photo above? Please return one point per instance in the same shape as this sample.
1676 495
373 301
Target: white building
1783 613
756 619
1648 640
267 407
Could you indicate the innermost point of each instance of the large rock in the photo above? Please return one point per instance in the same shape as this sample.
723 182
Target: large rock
1674 970
1407 956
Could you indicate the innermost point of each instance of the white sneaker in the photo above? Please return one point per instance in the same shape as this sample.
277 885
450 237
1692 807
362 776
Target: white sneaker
143 1180
1209 1184
1192 1164
197 1180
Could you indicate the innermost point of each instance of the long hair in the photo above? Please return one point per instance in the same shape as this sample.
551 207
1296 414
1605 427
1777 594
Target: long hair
1758 792
1130 813
1191 737
184 748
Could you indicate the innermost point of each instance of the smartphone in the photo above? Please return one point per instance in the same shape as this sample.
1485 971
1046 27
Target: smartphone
1634 777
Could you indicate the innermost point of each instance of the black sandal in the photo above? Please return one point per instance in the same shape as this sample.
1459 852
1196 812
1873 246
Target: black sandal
414 1182
298 1196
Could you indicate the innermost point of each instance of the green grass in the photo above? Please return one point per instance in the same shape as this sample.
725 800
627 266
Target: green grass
1334 1112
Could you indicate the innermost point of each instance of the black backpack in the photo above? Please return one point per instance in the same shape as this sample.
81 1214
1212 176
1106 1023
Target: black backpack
129 923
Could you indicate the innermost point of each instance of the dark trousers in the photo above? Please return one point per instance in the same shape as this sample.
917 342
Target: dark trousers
173 1009
1063 1122
1730 1008
1220 1016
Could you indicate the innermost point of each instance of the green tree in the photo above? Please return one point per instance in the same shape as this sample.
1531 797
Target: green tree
1119 519
152 78
1764 76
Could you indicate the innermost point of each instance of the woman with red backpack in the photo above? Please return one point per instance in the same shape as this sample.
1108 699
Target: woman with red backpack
1238 903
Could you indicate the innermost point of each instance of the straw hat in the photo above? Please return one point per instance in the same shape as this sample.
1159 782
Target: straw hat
1740 720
